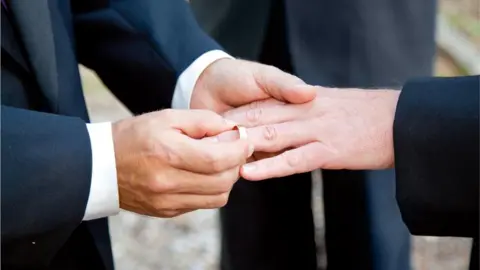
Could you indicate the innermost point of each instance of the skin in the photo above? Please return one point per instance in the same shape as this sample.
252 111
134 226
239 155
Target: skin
165 169
229 83
339 129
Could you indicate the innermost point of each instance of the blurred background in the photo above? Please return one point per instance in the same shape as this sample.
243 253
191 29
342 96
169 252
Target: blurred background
191 241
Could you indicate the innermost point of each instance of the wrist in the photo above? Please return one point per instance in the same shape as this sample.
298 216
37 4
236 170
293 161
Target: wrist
385 103
392 101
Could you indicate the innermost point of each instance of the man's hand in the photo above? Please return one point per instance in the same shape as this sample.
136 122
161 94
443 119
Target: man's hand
229 83
340 129
163 167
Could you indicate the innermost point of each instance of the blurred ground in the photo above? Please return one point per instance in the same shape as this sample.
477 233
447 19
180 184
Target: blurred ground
190 242
465 16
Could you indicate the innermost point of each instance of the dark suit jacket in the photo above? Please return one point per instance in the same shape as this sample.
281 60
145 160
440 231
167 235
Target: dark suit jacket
436 141
345 43
138 48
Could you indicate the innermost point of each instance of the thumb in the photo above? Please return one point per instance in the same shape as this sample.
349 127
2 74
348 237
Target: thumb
200 123
283 86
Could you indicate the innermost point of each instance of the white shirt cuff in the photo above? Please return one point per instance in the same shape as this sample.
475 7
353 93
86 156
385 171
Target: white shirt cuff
187 80
103 198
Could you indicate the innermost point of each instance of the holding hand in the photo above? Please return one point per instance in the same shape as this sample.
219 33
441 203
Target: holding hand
164 169
340 129
229 83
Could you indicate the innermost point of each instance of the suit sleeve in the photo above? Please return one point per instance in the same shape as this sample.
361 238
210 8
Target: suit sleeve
436 141
45 182
139 47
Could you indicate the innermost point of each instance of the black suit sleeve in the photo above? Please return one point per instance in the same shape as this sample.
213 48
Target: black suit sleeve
46 174
139 47
436 141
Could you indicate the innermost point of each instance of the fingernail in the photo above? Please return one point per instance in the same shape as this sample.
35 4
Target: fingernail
249 167
251 149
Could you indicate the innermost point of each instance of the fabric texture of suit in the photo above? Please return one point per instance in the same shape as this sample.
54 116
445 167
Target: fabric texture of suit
436 142
138 48
365 43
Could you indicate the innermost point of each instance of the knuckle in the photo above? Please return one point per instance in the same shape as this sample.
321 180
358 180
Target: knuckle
227 181
210 203
214 162
222 200
274 73
293 160
253 115
270 133
218 201
275 69
217 165
169 155
226 186
254 105
272 69
161 185
223 186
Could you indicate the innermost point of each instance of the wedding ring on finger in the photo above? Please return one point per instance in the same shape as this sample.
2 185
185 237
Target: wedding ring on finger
242 131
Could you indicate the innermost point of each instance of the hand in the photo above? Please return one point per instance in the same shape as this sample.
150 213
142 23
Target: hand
163 167
340 129
229 83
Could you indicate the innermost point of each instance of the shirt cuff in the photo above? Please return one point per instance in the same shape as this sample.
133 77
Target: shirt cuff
187 80
103 198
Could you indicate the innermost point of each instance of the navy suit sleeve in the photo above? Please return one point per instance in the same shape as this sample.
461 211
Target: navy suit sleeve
45 181
139 47
436 141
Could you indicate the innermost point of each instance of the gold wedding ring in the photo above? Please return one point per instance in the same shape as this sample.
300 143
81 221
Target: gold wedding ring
242 131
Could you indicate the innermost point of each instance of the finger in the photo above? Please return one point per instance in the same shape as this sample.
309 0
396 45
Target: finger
198 123
262 155
251 116
278 137
227 136
179 202
208 157
179 181
282 86
271 102
274 138
299 160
